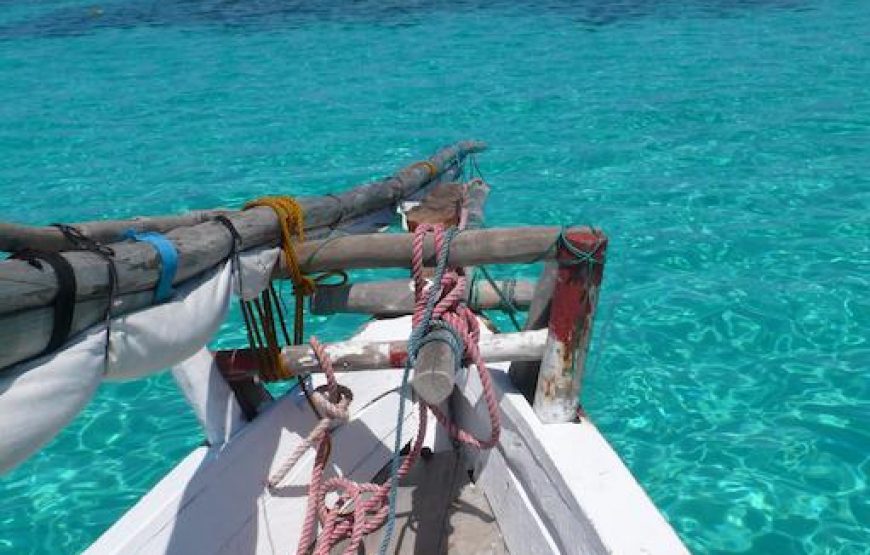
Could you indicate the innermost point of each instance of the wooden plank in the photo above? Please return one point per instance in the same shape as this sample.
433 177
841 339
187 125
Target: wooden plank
469 248
564 476
319 211
358 354
521 525
214 497
524 374
396 297
439 512
202 246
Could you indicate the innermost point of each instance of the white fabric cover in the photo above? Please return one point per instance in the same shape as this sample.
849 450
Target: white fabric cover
210 396
257 268
39 397
157 337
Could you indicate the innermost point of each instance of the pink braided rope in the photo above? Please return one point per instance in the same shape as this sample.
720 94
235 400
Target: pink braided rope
362 508
368 500
451 309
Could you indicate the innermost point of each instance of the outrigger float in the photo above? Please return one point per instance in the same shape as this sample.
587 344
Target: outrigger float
347 459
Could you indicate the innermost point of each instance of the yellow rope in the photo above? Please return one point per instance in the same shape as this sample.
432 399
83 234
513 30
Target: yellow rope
433 171
290 220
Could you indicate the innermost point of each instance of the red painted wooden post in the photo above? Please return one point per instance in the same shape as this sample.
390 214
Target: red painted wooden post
575 295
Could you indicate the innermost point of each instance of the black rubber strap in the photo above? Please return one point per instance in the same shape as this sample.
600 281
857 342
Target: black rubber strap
64 302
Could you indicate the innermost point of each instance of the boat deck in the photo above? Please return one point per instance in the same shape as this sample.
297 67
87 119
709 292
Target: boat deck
440 511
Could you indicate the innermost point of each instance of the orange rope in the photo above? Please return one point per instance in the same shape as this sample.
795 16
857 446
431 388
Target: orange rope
268 308
291 220
433 171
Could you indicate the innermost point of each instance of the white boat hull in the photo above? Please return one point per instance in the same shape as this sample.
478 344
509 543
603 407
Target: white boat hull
554 488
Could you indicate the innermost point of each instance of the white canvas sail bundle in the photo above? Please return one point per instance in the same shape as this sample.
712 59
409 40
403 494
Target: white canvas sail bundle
39 397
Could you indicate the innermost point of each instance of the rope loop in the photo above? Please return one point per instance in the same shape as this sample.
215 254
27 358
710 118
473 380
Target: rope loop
580 257
290 219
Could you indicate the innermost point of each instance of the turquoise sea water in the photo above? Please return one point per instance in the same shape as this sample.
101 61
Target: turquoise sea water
724 145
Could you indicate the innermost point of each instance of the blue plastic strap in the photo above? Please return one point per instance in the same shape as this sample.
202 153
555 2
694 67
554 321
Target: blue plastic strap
168 260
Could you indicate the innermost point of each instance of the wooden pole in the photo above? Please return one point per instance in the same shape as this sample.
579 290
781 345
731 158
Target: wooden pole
524 375
517 245
320 211
396 297
575 295
434 370
477 194
202 246
349 356
26 332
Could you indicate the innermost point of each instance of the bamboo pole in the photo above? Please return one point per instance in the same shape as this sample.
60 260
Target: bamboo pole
202 246
356 355
320 211
396 297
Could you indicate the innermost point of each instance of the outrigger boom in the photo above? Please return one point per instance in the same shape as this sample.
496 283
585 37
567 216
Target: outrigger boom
81 304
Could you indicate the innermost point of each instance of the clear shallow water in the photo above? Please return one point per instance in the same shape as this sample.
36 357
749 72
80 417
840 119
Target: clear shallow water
723 146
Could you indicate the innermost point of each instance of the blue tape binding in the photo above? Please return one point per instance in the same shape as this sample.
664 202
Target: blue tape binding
168 260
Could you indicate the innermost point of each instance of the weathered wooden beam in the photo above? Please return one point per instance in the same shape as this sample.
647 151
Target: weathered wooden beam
440 206
26 333
473 247
575 296
372 355
202 246
14 237
396 297
434 370
524 375
319 211
478 191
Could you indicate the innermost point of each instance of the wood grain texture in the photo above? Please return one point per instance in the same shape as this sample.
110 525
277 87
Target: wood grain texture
396 297
524 375
434 372
320 210
358 355
206 244
472 247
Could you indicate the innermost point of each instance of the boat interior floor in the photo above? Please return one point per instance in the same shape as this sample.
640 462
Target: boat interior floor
439 511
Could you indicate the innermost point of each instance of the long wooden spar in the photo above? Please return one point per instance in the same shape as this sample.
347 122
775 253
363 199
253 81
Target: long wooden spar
205 245
319 211
26 332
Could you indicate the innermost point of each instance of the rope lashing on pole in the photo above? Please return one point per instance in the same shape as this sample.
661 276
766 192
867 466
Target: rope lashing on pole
292 224
65 301
361 508
439 308
168 255
507 296
368 500
82 242
263 316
